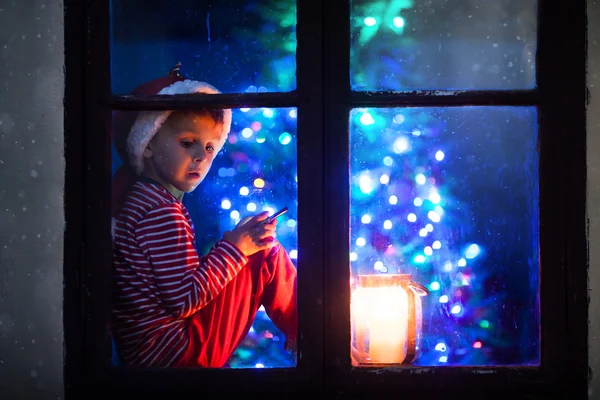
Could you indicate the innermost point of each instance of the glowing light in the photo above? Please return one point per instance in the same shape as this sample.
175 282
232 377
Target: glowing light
399 22
435 197
418 202
434 286
367 119
428 251
234 214
472 251
393 199
477 345
244 191
225 204
401 145
268 113
411 217
360 242
456 309
291 223
484 324
384 179
443 299
416 132
462 262
387 161
366 184
366 219
285 138
378 266
387 224
259 365
251 207
293 114
293 254
245 109
353 256
443 359
429 227
448 266
259 183
420 179
261 138
433 216
441 347
398 118
439 155
247 133
423 232
420 259
370 21
437 245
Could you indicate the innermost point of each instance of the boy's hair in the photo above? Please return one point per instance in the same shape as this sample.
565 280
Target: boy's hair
217 115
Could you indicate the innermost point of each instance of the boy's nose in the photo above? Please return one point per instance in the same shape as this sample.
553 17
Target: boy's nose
200 155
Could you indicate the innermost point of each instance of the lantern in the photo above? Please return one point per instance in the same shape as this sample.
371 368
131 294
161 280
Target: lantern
386 319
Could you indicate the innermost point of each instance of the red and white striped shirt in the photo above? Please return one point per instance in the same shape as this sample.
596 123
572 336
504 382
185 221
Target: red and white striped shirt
159 278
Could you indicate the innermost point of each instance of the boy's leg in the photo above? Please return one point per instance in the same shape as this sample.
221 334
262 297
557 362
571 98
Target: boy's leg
215 331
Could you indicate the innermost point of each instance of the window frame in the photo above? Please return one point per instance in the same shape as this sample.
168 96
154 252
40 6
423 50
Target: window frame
88 244
560 99
324 99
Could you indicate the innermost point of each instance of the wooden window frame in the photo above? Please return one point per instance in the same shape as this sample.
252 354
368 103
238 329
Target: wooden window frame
324 99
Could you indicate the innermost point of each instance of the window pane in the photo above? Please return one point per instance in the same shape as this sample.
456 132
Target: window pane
254 171
448 196
238 45
404 45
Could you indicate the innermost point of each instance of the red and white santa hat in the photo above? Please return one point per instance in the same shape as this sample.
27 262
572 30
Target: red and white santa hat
132 131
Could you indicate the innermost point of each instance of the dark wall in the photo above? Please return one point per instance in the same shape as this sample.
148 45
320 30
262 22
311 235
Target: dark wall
31 199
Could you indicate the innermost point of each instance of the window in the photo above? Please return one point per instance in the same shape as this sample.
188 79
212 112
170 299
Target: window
439 150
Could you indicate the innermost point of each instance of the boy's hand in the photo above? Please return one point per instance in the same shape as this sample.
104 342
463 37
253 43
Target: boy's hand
252 235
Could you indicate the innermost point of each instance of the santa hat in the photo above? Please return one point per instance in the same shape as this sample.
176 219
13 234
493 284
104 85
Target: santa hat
133 131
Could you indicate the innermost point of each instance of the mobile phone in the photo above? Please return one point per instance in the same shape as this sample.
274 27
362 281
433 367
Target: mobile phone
276 215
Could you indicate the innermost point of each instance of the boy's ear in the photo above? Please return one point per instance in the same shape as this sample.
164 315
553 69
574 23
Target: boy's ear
147 151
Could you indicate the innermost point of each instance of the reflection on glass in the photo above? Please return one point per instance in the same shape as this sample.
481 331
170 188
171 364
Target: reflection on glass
444 236
239 45
254 172
405 45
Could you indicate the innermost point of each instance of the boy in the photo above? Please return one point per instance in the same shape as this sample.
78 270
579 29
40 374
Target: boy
171 307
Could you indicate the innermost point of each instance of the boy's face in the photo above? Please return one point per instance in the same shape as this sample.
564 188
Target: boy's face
181 153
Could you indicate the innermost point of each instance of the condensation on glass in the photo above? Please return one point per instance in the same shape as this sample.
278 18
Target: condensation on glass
406 45
239 46
255 171
444 236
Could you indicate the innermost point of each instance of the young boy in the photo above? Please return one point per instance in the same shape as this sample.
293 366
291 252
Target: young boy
171 307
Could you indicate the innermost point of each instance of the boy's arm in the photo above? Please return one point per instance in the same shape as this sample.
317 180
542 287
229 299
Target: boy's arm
185 281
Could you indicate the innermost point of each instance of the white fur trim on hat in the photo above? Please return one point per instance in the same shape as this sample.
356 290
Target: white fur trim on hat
149 122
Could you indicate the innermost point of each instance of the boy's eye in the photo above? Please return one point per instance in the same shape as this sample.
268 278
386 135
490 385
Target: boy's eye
187 143
210 148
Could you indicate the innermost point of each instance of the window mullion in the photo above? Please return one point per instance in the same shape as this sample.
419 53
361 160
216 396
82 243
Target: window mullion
184 101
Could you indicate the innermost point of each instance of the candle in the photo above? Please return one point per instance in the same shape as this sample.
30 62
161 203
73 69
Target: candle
380 323
386 319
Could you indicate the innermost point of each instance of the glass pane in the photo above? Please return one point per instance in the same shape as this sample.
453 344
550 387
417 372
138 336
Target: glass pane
234 312
403 45
444 236
239 45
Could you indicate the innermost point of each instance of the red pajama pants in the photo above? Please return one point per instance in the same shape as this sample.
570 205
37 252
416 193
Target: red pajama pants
214 332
